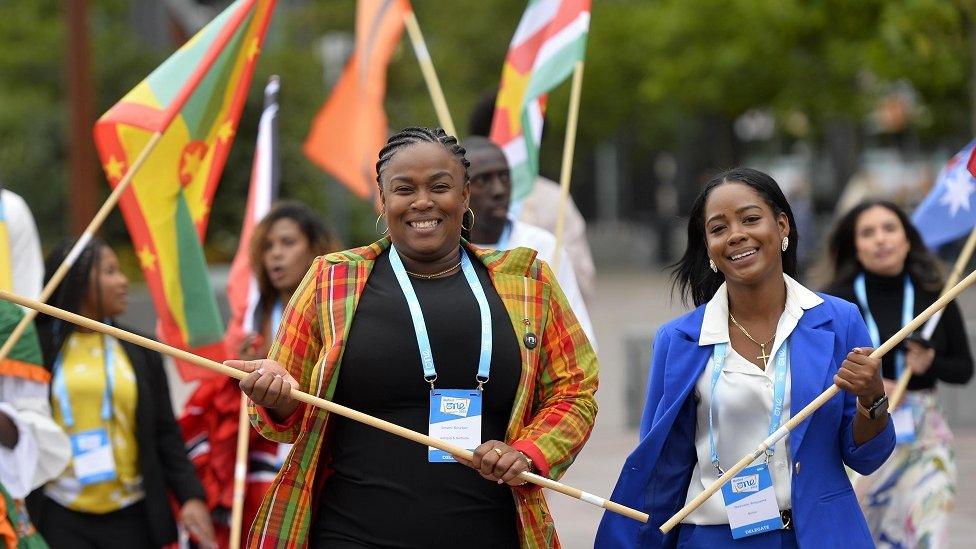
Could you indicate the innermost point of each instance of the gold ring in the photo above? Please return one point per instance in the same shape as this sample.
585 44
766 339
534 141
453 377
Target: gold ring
497 451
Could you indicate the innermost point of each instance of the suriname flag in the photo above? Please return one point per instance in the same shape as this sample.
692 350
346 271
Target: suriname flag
194 99
549 40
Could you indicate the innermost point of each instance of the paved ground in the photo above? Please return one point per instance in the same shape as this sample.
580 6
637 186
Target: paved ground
630 305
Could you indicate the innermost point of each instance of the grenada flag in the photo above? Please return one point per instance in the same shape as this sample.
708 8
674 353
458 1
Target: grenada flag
549 40
194 101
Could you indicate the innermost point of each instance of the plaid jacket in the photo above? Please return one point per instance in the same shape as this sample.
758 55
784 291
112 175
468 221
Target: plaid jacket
554 405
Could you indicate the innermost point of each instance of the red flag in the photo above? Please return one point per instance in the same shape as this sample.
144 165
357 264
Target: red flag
349 131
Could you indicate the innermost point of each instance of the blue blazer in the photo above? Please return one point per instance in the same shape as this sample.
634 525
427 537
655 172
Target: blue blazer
656 475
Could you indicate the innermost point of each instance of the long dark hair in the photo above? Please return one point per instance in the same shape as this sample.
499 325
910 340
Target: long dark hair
920 263
321 240
70 293
691 276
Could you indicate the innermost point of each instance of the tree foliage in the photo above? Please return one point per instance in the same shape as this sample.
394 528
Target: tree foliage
661 74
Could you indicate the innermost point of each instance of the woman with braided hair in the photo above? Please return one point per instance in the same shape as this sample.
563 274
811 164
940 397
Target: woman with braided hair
111 397
477 347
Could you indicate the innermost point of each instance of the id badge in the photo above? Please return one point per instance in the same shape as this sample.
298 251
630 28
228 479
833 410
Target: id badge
92 457
750 502
455 417
903 419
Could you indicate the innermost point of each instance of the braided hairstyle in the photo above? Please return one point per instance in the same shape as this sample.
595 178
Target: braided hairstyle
70 294
412 135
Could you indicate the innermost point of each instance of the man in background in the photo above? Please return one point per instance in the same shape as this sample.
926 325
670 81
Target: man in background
541 208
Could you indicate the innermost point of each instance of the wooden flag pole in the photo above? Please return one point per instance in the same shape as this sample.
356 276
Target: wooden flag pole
430 75
566 171
306 398
240 475
898 393
86 236
780 433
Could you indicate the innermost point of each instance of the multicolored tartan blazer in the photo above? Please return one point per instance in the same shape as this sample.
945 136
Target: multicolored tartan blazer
554 405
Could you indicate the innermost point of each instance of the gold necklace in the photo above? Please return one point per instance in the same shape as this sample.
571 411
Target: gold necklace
434 275
762 346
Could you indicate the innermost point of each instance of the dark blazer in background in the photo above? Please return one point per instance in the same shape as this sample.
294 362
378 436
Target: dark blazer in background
163 461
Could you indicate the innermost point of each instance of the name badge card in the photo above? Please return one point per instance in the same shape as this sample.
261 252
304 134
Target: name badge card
750 502
904 421
92 457
455 417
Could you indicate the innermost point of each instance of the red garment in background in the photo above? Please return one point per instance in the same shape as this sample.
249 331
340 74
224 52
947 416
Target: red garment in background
209 424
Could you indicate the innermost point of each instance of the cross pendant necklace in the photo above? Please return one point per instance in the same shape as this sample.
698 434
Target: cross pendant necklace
762 355
762 346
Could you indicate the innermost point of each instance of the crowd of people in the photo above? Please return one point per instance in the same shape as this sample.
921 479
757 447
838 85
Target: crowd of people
461 300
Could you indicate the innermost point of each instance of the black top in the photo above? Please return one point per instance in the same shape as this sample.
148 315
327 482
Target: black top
165 468
383 492
953 362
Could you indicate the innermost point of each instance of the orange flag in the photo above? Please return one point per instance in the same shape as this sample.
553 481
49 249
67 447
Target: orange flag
351 128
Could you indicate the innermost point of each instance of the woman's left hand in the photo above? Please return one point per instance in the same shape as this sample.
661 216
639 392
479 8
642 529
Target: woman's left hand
918 357
861 375
497 461
196 518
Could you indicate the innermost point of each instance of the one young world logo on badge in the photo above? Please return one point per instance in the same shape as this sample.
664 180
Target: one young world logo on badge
455 406
745 484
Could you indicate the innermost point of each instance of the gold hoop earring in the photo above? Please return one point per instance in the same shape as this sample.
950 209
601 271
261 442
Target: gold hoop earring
376 225
472 221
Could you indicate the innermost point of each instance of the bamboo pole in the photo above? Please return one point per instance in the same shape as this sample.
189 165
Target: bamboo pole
79 246
306 398
898 393
430 75
240 475
809 409
566 171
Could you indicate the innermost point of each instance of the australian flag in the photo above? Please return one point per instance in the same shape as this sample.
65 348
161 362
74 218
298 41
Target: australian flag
948 212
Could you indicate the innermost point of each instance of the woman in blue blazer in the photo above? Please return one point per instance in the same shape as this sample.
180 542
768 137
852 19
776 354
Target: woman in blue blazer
723 376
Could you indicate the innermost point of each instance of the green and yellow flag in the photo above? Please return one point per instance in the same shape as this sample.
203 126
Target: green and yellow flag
194 99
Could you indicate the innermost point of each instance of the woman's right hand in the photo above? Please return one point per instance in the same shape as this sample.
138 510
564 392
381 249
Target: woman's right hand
267 384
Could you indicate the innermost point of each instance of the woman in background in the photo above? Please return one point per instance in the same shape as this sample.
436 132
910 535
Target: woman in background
112 399
880 262
282 248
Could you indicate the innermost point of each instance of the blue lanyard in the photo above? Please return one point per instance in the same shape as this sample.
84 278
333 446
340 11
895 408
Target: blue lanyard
276 312
907 314
719 352
420 327
60 388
